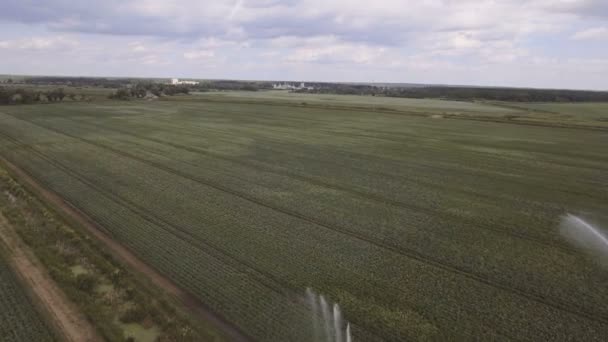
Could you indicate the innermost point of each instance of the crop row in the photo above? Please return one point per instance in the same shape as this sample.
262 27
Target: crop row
19 318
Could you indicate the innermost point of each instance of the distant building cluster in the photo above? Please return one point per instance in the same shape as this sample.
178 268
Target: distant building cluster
289 86
176 81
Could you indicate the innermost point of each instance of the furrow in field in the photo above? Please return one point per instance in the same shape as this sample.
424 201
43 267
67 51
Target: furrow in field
356 191
200 245
334 127
278 286
458 174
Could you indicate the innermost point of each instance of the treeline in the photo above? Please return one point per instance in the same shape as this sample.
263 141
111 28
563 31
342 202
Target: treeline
120 83
463 93
232 85
10 95
79 81
500 94
341 89
148 89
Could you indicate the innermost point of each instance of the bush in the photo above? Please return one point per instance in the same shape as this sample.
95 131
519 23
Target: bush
86 282
133 315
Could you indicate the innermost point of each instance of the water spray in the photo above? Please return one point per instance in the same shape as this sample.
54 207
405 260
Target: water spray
585 236
327 322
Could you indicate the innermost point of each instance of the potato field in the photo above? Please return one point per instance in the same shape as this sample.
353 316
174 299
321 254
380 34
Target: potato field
19 318
421 226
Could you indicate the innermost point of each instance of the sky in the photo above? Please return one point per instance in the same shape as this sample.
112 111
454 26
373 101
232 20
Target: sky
523 43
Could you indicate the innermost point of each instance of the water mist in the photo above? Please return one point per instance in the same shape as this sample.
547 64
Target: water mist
584 235
327 322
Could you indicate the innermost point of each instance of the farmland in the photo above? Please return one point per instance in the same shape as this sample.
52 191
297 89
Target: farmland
595 112
423 219
19 318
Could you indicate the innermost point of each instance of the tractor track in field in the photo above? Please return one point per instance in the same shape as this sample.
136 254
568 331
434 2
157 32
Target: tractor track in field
182 130
415 114
381 200
419 165
245 115
359 193
191 302
366 195
151 218
566 307
422 165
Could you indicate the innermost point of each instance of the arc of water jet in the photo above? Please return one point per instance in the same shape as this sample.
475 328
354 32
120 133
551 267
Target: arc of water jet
326 320
349 337
337 323
314 306
590 228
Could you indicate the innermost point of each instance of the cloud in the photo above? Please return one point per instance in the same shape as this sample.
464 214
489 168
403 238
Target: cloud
380 21
316 39
584 8
198 55
237 6
137 47
38 43
592 33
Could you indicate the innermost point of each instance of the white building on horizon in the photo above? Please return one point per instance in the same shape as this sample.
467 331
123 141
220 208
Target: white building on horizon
176 81
288 86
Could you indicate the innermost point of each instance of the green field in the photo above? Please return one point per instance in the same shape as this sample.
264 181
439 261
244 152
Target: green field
389 103
421 227
19 319
593 112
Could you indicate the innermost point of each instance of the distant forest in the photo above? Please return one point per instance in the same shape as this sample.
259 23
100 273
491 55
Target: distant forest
434 92
462 93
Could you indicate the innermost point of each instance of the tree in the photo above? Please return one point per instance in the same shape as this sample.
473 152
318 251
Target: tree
121 94
56 95
4 96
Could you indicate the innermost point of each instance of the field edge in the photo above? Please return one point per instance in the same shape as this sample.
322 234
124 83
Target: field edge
150 279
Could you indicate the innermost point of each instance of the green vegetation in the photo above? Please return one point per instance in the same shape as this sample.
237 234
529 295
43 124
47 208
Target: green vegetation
118 305
19 318
360 102
142 89
583 112
11 95
461 93
427 223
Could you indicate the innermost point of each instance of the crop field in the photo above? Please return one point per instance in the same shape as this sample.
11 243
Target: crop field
594 112
421 227
388 103
19 319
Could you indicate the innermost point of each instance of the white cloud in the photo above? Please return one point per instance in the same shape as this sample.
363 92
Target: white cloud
328 49
137 47
201 54
38 43
591 34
